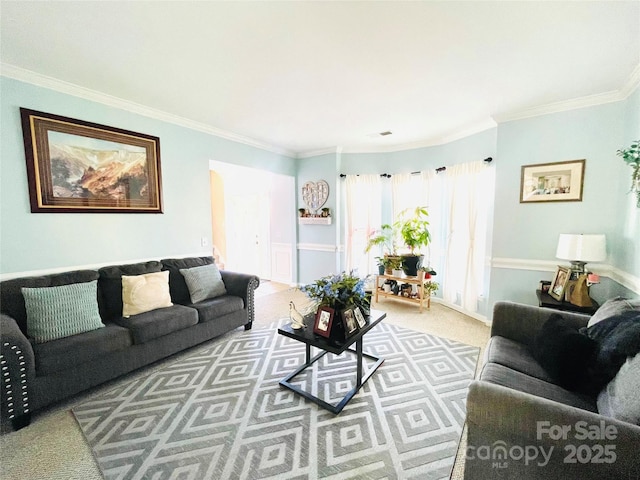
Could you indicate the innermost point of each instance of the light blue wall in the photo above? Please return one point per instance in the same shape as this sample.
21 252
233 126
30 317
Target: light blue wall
313 264
530 231
627 257
47 241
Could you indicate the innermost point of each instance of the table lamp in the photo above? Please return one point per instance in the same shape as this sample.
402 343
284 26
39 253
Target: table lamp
580 249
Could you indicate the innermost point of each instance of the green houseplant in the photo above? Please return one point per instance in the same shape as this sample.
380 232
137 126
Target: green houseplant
385 239
631 156
413 227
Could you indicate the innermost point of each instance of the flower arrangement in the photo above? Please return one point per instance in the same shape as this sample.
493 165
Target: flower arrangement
338 291
631 156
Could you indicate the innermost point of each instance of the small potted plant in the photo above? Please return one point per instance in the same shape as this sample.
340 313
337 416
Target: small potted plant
385 239
631 156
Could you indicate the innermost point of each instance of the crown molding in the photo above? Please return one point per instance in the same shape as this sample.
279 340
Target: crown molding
622 93
481 126
632 84
28 76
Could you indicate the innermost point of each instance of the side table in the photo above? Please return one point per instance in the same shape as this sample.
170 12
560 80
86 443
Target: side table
547 301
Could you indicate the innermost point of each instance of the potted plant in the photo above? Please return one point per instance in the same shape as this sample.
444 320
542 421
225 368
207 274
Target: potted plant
385 239
413 227
631 156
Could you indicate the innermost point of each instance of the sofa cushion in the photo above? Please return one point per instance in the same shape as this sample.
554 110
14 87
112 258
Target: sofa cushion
507 377
157 323
178 286
110 284
515 355
146 292
62 311
564 353
617 338
71 351
203 282
12 301
620 399
213 308
613 307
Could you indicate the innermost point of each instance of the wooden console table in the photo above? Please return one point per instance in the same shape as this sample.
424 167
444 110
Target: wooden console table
421 299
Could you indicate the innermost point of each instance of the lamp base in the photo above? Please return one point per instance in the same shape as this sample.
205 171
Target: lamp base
577 269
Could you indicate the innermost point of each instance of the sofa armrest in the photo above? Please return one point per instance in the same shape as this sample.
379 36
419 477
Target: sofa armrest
567 442
242 285
521 323
17 368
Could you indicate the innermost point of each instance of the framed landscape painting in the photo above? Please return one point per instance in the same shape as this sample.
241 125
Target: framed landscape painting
78 166
552 182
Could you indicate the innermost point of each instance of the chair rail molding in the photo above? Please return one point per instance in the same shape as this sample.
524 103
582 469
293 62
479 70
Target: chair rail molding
625 279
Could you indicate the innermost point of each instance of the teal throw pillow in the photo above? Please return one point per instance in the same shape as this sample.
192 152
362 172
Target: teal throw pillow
58 312
203 282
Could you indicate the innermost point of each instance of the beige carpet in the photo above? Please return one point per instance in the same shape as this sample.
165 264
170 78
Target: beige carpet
53 448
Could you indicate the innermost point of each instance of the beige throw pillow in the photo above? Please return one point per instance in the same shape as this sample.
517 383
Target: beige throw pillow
143 293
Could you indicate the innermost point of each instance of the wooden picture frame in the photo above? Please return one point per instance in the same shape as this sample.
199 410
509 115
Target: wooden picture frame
552 182
324 321
75 166
349 322
362 322
559 284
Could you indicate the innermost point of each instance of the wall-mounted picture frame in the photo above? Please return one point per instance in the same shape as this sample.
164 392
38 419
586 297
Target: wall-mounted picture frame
324 321
552 182
359 317
349 322
559 283
74 166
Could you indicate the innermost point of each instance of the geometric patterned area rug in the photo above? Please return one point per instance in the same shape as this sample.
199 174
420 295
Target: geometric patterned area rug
221 414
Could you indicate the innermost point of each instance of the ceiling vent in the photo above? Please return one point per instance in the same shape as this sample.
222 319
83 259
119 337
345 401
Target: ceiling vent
384 134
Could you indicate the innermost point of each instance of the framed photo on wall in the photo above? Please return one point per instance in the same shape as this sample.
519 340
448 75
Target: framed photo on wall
552 182
324 321
75 166
559 283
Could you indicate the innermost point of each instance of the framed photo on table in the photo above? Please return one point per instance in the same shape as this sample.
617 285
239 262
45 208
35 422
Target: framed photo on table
559 283
349 322
359 317
324 321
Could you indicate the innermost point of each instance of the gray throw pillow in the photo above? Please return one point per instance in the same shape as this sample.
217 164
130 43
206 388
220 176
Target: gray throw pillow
612 307
619 399
58 312
203 282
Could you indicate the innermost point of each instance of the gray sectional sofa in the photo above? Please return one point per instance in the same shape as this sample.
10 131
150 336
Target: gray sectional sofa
523 424
37 374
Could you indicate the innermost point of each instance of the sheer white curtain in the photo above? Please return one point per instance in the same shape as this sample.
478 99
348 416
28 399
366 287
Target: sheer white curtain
469 192
421 190
458 201
363 194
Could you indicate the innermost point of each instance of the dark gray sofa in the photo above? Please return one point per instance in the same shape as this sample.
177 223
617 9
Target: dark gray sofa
516 413
35 375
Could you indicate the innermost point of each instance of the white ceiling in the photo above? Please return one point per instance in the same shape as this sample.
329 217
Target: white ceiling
307 76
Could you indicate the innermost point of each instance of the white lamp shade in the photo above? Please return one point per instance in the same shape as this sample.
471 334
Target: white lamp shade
582 248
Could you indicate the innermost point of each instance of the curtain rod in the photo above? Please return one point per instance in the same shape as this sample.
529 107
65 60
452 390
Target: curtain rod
438 170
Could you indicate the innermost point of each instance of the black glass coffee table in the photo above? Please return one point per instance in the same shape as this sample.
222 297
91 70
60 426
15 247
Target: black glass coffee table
327 345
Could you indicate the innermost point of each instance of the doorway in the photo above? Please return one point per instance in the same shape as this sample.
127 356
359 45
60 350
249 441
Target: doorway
253 220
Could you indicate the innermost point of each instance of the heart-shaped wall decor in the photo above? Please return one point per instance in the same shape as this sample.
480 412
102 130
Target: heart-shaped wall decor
315 194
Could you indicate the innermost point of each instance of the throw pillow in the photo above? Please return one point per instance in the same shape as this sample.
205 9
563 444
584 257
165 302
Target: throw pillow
613 307
620 399
62 311
564 353
618 338
143 293
203 282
